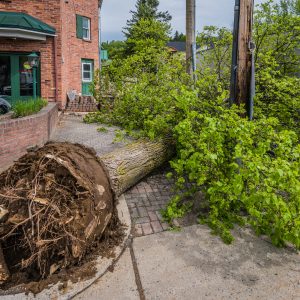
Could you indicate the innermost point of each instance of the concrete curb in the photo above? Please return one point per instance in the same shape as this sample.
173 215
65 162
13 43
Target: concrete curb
73 289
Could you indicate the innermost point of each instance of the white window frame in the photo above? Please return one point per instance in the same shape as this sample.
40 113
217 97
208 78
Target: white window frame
91 71
88 38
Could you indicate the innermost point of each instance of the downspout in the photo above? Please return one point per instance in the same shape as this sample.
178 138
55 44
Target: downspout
99 32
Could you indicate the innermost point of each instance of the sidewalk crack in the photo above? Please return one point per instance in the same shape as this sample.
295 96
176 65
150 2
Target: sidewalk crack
136 272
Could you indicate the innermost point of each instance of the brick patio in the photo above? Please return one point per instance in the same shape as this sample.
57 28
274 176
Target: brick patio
147 198
145 202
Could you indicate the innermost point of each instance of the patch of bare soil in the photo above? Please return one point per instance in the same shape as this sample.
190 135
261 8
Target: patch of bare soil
57 213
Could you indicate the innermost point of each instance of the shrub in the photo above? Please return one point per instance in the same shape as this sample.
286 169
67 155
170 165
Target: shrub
249 172
25 108
277 95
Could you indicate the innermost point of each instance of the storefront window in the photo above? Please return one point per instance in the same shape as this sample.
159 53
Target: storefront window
26 77
5 76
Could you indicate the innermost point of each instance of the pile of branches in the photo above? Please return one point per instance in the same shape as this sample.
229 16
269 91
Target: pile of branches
54 202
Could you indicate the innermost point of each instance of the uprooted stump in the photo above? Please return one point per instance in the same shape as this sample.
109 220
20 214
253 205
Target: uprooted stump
55 201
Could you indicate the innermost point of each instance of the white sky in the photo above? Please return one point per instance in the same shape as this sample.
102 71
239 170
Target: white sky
209 12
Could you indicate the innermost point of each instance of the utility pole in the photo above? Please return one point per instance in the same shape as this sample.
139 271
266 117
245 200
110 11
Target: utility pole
190 36
242 73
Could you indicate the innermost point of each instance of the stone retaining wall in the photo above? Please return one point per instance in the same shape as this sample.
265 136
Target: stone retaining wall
18 135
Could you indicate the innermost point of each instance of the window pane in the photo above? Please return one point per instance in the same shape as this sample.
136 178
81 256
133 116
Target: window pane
87 76
85 34
87 67
26 77
5 76
86 23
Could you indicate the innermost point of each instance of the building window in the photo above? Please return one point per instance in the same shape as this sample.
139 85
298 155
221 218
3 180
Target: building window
83 28
86 28
87 72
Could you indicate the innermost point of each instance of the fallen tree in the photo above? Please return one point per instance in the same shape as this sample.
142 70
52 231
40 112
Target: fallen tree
56 201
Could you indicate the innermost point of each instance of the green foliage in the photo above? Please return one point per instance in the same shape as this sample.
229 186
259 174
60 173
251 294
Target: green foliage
115 49
248 171
147 35
175 209
132 109
216 45
29 107
277 34
102 130
146 9
178 37
277 95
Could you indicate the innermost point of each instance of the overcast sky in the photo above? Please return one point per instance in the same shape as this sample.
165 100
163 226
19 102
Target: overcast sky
209 12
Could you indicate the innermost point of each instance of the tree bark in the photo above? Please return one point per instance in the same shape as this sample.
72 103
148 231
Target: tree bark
127 166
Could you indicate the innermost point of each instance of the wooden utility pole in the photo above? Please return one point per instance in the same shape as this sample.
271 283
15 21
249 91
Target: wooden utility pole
242 60
190 35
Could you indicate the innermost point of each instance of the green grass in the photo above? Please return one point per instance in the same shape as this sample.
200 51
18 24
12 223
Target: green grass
102 129
29 107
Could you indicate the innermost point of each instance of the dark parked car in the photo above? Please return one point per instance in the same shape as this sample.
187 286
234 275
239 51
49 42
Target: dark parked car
4 106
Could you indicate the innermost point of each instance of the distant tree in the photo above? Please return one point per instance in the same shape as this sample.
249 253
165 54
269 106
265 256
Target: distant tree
148 35
277 35
145 9
216 53
178 37
115 49
290 6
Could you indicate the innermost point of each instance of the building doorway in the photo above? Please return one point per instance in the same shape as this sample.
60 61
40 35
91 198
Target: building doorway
18 79
87 76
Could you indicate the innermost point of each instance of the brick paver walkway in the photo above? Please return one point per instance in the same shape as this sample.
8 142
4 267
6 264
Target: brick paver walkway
145 202
146 199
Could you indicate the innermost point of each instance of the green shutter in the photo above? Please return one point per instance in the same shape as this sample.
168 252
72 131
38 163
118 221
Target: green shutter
79 26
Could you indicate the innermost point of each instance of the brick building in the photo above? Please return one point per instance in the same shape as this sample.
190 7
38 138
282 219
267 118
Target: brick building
48 48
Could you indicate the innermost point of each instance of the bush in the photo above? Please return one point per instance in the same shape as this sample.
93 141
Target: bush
277 95
249 172
25 108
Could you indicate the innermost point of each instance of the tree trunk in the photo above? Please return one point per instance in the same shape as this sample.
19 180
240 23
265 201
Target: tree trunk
127 166
79 213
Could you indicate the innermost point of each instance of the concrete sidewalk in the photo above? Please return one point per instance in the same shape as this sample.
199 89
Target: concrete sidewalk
193 264
190 264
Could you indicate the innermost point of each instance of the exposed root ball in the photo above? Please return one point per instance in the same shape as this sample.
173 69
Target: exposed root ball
54 202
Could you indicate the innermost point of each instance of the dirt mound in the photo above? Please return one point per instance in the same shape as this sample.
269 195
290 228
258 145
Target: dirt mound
55 202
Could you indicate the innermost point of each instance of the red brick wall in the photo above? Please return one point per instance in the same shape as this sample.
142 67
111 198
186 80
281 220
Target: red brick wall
47 11
17 135
61 15
75 49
